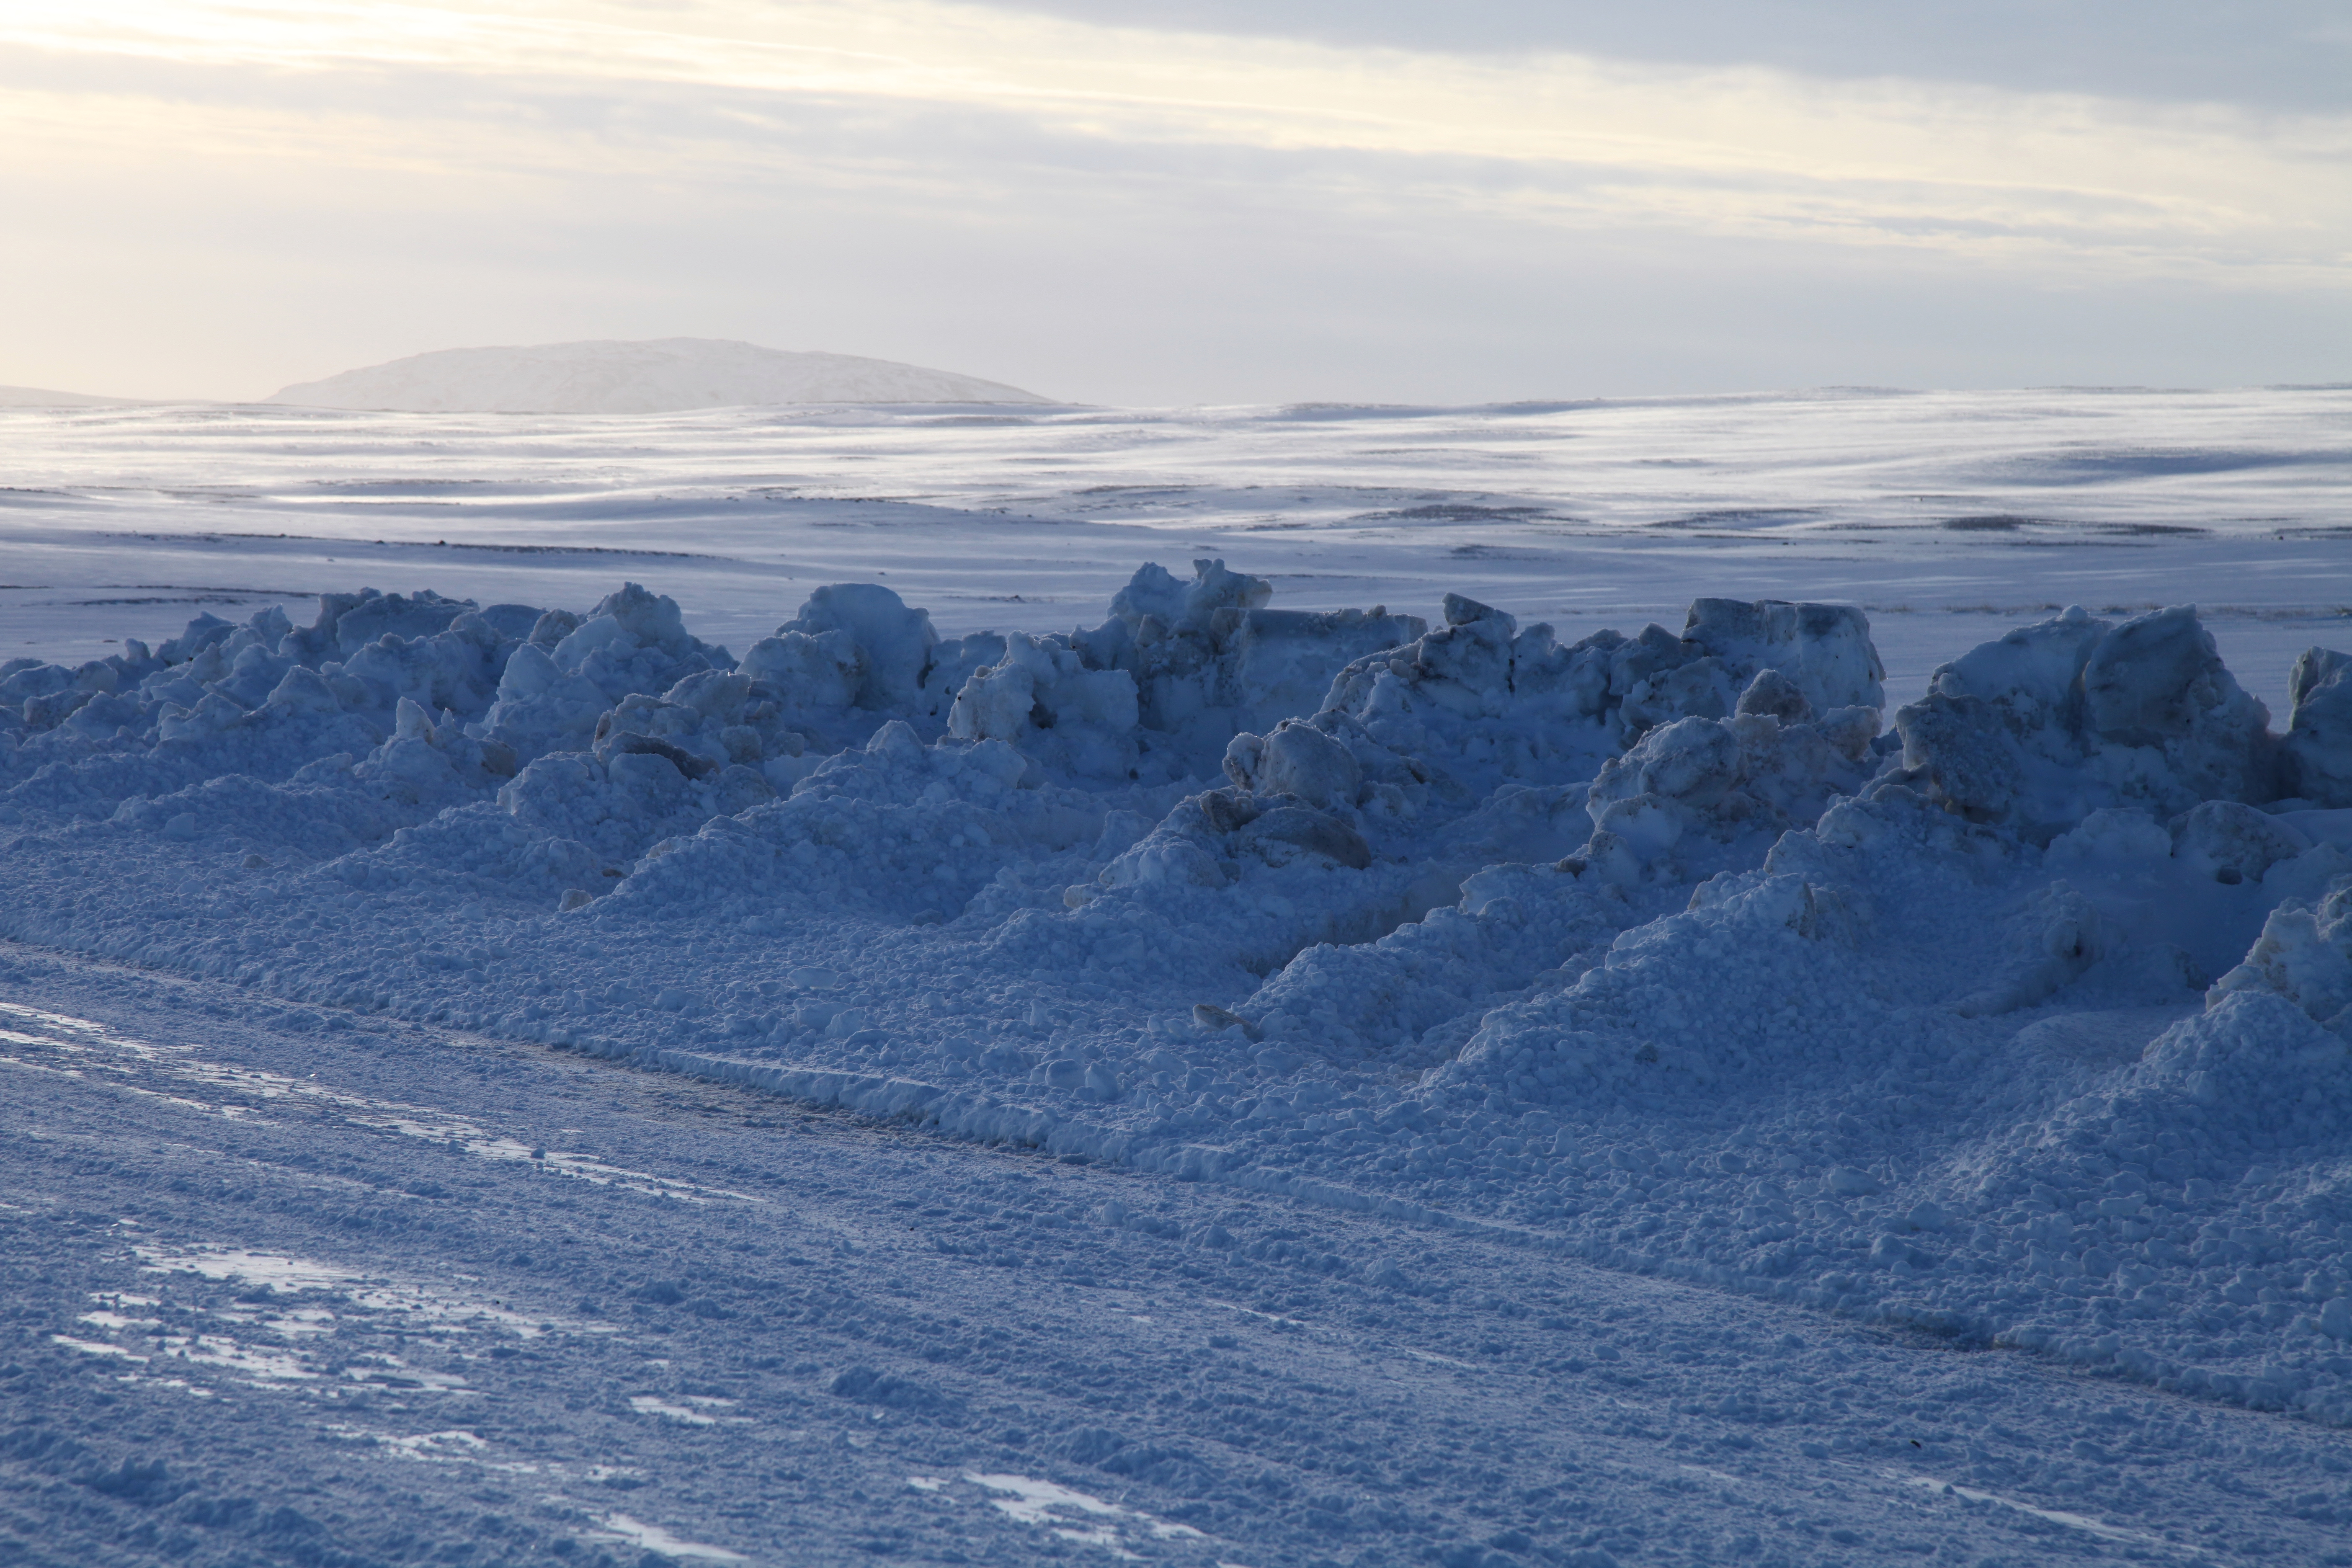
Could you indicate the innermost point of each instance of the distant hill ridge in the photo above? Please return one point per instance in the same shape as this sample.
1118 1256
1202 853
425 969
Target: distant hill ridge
43 397
659 376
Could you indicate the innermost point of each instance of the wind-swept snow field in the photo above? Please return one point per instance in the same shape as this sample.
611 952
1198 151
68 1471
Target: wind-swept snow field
1758 979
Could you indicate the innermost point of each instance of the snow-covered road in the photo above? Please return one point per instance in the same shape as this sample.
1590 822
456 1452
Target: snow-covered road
382 1294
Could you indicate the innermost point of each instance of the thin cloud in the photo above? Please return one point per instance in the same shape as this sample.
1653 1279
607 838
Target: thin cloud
279 192
1981 170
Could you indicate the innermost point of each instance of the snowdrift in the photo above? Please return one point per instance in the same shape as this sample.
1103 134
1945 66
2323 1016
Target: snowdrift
2028 1018
661 376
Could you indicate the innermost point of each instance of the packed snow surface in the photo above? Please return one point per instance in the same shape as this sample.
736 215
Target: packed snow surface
1424 979
660 376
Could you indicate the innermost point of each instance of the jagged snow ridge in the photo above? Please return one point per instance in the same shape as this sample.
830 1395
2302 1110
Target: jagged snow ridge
2026 1020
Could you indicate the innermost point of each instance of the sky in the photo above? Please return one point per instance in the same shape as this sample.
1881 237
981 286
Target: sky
1155 202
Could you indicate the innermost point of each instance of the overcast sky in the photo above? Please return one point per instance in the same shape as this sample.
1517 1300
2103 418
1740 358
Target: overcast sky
1178 200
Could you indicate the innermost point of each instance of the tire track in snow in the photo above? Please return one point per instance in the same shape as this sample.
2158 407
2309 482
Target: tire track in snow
1272 1408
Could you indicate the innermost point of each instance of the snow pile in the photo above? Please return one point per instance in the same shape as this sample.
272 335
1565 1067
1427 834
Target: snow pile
2318 749
2303 955
1041 693
1481 698
2057 719
662 375
1724 779
2033 1029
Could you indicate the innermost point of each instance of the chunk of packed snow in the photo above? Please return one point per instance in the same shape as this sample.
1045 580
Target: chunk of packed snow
2057 719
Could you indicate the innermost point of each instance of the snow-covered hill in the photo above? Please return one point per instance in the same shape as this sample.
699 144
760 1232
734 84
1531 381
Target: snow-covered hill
660 376
42 398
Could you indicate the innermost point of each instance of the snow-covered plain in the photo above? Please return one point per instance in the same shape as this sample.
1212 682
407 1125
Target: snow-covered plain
1019 1051
1947 517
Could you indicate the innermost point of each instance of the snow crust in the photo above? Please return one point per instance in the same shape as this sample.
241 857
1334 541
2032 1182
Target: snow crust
659 376
2024 1020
